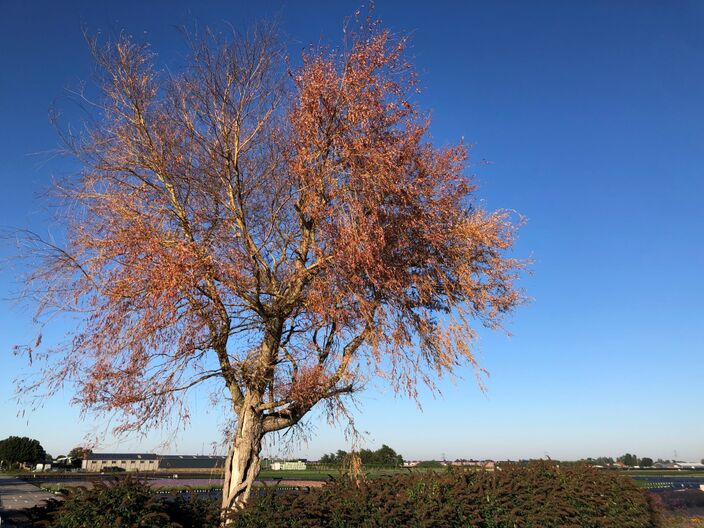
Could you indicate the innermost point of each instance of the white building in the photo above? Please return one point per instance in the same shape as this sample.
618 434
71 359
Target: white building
293 465
689 465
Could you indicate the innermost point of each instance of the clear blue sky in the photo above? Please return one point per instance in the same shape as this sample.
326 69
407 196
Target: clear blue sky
592 116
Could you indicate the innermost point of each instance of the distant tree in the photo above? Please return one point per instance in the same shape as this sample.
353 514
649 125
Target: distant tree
15 450
334 458
280 238
646 462
384 456
629 460
388 457
601 461
77 454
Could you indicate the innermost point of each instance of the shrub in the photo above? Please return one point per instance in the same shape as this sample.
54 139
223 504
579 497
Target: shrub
113 469
126 503
194 511
535 495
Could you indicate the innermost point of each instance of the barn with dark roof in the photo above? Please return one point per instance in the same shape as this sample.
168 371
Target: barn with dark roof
191 462
97 462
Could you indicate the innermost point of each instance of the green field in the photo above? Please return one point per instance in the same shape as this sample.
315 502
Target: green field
316 474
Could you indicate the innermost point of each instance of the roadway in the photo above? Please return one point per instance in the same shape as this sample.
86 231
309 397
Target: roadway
17 495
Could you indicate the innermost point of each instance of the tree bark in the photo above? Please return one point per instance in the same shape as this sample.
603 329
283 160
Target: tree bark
242 463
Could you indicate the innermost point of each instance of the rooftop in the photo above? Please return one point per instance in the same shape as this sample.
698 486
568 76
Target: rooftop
122 456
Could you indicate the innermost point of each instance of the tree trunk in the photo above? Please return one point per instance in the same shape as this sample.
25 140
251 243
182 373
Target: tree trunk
242 463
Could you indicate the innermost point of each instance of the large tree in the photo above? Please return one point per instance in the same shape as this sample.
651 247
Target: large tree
646 462
77 454
384 456
282 234
16 449
628 460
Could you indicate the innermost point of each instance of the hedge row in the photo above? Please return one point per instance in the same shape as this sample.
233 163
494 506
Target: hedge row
126 503
535 495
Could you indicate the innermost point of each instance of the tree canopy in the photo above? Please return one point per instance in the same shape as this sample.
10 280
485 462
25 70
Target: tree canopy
79 452
628 460
384 456
16 449
646 462
280 234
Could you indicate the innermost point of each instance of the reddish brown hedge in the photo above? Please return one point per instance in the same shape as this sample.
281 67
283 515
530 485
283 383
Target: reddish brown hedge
534 495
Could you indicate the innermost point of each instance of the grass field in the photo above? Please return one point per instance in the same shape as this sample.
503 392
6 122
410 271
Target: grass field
314 474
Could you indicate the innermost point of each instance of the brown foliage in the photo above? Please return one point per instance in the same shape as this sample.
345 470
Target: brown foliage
535 495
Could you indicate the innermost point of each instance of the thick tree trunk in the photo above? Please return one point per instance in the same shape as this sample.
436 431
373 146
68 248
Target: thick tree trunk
242 463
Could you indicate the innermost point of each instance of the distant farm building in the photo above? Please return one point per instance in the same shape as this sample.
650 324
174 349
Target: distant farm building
100 462
678 465
191 462
292 465
97 462
688 465
485 464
